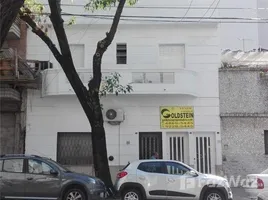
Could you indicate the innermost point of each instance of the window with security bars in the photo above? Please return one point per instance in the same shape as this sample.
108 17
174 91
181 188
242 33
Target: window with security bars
121 53
74 148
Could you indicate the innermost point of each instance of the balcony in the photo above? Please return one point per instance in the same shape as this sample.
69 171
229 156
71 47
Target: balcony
16 71
157 81
14 31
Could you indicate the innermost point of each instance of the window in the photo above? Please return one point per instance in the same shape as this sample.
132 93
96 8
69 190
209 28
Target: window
172 55
1 165
121 54
38 167
74 148
266 142
176 169
151 167
78 54
13 165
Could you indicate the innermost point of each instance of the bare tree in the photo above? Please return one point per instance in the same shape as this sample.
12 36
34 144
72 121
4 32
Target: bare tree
88 97
9 10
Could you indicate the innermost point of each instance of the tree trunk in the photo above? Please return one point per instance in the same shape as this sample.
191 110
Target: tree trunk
101 164
9 10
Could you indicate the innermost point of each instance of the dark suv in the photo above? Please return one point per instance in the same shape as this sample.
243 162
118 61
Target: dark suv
35 177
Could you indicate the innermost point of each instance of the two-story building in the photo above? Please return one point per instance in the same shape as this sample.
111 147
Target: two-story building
174 106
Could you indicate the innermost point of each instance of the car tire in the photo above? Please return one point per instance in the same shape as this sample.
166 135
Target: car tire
75 192
136 194
211 194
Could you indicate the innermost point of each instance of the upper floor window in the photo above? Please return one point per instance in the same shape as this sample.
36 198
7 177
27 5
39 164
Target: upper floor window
121 53
172 55
78 54
13 165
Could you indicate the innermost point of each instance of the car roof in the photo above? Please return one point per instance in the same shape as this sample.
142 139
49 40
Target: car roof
137 162
4 156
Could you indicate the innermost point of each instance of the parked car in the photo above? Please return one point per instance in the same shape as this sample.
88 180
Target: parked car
257 184
262 196
35 177
168 179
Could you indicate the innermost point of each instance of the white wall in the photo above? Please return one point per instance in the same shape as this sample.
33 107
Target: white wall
47 116
233 35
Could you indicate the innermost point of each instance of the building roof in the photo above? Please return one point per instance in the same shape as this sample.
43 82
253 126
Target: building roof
240 59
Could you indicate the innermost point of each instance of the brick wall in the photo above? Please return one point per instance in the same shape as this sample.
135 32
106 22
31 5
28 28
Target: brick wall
21 43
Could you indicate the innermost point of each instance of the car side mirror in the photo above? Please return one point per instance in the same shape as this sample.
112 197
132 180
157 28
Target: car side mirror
53 172
192 173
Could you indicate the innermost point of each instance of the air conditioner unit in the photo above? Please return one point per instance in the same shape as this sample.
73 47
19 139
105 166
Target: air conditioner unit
113 115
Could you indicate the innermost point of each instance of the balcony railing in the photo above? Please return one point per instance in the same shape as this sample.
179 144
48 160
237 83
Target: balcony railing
155 81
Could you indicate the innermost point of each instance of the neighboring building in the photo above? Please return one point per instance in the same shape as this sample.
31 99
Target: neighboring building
168 64
15 77
243 82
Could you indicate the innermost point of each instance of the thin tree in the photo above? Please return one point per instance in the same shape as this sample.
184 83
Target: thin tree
88 97
9 10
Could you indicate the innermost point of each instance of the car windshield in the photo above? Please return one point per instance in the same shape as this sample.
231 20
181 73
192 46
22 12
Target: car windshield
62 168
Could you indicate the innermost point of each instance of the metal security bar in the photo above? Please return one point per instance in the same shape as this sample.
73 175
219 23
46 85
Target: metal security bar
149 143
74 148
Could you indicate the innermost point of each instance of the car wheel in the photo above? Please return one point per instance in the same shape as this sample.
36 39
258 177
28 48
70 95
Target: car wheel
214 195
74 194
131 194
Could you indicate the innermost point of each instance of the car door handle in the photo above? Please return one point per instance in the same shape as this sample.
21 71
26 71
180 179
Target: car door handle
30 178
141 177
171 180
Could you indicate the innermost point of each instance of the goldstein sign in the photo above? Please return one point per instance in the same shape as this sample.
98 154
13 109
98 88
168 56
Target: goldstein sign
179 117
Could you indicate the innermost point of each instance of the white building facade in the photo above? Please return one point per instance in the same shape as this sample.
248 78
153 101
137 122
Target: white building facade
173 68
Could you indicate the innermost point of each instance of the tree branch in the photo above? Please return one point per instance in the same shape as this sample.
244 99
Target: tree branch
58 24
38 31
8 12
102 47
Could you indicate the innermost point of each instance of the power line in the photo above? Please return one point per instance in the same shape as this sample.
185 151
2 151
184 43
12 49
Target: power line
207 10
160 17
169 7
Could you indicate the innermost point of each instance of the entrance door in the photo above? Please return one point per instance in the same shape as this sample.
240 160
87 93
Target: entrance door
150 142
177 147
205 152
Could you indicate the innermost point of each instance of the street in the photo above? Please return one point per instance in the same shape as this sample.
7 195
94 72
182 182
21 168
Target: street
239 194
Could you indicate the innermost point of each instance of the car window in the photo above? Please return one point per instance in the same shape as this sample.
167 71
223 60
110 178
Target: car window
13 165
265 172
1 165
151 167
38 167
176 168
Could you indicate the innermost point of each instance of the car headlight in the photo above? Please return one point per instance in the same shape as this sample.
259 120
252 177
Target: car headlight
92 180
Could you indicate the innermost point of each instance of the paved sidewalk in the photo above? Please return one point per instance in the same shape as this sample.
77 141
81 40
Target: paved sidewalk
239 194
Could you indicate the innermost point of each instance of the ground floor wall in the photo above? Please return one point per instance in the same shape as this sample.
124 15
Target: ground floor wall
12 123
243 146
50 118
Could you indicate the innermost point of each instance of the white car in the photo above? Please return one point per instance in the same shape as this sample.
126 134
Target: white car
262 196
168 179
257 184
